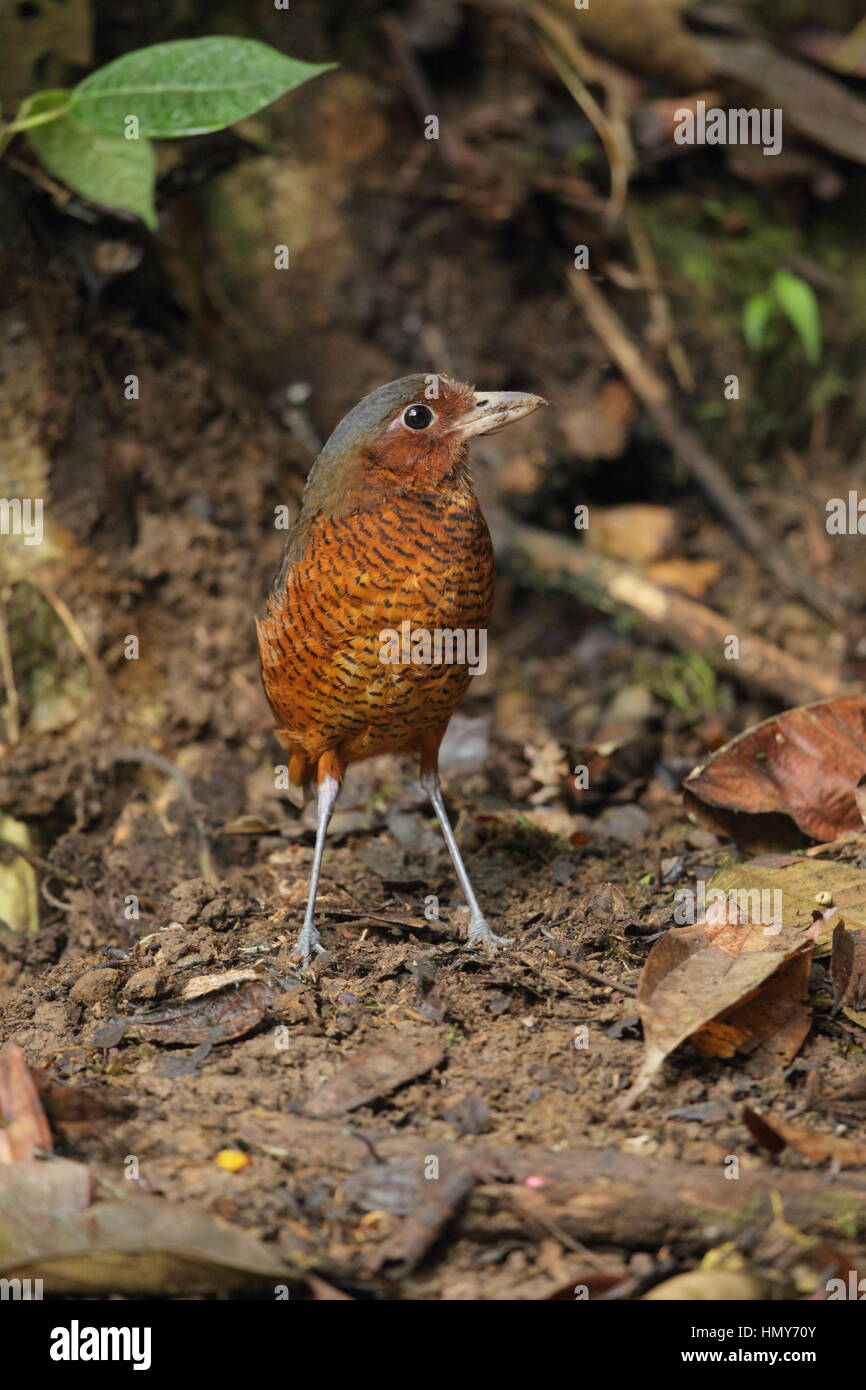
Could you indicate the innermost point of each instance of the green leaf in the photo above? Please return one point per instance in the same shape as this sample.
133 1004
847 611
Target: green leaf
105 168
797 300
756 312
188 86
36 109
41 107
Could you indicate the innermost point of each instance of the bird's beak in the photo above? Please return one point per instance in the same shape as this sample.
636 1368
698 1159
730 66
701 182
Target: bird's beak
493 410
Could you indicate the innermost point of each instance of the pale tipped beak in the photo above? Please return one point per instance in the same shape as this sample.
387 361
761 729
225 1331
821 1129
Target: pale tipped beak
493 410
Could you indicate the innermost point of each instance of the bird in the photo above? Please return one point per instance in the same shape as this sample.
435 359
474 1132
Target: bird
390 541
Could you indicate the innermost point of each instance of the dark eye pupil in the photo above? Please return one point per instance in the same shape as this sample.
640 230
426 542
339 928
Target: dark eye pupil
417 417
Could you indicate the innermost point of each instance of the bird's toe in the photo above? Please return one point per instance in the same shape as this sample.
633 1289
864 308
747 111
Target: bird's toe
481 934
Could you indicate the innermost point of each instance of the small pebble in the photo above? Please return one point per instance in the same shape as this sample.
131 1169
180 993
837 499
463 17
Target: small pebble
94 985
144 984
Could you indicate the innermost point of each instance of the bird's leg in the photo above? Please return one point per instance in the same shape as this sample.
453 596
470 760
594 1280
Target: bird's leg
329 789
480 932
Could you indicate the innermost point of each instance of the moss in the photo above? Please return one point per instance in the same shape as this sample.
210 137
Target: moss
717 251
847 1221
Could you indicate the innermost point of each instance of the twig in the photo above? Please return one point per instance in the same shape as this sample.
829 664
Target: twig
567 58
659 307
61 195
685 622
12 708
687 446
37 862
55 902
69 621
597 979
516 1199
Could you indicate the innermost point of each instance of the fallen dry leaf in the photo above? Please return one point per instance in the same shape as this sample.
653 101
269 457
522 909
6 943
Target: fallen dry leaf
727 986
800 890
646 35
137 1246
214 1017
200 985
771 1026
793 776
372 1072
714 1285
774 1135
848 967
692 577
25 1127
813 102
638 531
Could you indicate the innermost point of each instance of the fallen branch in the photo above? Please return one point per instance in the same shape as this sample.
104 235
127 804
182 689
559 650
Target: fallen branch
592 1195
688 624
604 1196
687 447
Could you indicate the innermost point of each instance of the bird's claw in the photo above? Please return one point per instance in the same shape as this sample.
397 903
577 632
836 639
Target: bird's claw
482 934
308 941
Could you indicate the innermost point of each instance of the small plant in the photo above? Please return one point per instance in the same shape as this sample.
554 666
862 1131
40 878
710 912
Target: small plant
96 137
793 298
689 683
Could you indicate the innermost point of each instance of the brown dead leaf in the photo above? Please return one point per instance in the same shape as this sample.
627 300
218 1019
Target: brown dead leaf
25 1127
638 531
792 776
848 967
813 102
712 1285
214 1017
648 36
372 1072
137 1246
774 1135
692 577
846 1103
200 985
802 890
772 1025
728 987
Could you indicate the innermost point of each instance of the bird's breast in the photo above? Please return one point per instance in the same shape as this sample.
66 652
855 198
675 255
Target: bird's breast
381 623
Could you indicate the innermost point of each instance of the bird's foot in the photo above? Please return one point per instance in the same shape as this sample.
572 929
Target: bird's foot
482 934
308 941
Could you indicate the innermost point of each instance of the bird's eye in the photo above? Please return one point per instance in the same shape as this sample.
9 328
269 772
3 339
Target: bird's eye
418 417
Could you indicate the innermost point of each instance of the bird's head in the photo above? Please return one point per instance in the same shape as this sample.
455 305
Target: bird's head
411 435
